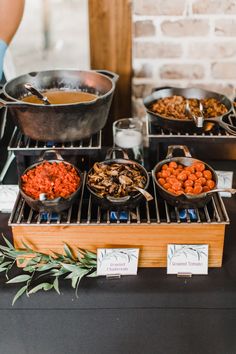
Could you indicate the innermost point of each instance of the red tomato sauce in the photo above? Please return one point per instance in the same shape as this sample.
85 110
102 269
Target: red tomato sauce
53 179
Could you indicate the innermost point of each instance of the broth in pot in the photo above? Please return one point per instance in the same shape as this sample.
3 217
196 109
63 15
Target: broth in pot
62 97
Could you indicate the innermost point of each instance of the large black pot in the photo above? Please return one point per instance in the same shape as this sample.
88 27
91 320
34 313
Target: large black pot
54 205
125 203
188 125
61 122
183 200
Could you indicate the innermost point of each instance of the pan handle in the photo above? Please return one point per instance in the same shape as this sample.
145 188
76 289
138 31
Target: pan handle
228 127
3 103
229 190
171 149
231 129
155 89
111 150
55 152
110 74
216 190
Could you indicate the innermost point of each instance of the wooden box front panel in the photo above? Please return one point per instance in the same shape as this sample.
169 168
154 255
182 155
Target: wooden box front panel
151 239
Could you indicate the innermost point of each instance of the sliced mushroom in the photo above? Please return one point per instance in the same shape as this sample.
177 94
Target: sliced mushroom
116 179
125 180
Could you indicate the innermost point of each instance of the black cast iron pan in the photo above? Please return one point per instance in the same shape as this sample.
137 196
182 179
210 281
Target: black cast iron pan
188 125
128 202
185 200
51 205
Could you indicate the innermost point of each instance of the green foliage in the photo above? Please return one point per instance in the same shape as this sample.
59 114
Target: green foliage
41 265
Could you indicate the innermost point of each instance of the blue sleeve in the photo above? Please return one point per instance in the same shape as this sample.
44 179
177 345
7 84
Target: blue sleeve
3 47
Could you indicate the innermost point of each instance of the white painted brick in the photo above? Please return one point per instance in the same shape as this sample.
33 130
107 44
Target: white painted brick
157 50
185 28
212 50
225 27
214 7
182 71
159 7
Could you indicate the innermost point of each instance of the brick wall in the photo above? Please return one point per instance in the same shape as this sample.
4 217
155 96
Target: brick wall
183 43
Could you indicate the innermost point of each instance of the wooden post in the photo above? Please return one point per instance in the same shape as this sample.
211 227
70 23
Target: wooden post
110 48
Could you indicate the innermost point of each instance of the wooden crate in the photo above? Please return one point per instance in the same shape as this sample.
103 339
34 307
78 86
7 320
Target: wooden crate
152 239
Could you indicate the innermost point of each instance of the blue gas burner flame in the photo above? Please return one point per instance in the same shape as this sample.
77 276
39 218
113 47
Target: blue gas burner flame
49 216
50 144
122 216
191 212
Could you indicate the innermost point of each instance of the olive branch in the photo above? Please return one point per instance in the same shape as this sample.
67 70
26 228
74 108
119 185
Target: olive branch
42 265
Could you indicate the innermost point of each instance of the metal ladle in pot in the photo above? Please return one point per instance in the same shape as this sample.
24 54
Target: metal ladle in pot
146 194
198 120
228 190
36 93
127 181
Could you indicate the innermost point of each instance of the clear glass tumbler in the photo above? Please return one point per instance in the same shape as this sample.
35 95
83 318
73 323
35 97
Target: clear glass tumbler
127 134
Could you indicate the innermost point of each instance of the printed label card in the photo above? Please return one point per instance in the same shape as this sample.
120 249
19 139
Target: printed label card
117 261
190 259
225 180
8 195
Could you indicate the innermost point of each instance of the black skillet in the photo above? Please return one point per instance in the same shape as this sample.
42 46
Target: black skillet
188 125
51 205
128 202
183 200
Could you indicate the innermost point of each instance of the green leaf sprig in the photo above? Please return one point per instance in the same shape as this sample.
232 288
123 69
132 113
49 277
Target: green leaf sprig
41 266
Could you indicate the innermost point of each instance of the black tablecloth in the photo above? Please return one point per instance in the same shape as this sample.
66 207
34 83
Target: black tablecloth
147 313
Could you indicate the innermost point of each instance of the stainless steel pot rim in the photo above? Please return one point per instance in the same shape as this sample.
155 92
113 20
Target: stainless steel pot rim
14 100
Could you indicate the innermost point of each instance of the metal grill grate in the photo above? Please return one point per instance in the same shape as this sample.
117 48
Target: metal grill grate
20 142
218 133
85 212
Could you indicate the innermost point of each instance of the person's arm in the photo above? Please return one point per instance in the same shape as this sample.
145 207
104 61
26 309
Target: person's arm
11 13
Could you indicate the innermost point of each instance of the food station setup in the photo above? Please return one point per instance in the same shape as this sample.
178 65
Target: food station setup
116 202
76 192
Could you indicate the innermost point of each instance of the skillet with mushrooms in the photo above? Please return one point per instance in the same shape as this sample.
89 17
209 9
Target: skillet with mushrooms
116 180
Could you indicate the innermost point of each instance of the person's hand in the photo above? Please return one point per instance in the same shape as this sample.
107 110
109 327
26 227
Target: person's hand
3 47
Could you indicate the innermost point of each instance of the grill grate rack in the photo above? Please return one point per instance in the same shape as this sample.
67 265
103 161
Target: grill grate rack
164 134
26 150
85 212
20 142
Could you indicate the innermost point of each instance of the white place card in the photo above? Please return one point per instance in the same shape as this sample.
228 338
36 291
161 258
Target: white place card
225 180
117 261
8 195
189 259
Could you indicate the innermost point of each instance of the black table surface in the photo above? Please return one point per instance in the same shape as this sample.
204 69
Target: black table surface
147 313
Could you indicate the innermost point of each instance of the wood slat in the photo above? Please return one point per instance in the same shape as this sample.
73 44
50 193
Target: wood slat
110 28
151 239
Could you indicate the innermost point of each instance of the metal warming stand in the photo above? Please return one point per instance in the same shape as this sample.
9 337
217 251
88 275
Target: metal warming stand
150 226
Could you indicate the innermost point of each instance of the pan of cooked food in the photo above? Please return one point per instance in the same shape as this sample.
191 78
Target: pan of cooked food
60 105
186 182
50 185
189 110
118 183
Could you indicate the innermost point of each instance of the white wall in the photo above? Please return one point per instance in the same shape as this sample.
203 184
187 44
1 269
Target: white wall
68 37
